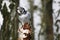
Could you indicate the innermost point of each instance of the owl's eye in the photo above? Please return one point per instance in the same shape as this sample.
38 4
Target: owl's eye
25 12
21 11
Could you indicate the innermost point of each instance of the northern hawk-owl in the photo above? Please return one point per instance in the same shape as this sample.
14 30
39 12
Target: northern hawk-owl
24 16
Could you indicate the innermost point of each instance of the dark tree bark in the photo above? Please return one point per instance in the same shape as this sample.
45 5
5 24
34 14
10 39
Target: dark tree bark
31 10
14 21
9 27
47 19
5 27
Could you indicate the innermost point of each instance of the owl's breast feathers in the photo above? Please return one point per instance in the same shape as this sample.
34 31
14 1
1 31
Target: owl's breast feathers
25 18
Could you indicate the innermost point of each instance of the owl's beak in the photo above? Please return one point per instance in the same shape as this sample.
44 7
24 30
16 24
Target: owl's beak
18 11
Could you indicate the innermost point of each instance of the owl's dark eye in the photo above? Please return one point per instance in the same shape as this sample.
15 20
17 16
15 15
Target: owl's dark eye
21 11
25 12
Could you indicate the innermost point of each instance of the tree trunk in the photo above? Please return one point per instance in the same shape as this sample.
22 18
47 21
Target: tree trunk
47 20
14 19
10 26
5 27
31 10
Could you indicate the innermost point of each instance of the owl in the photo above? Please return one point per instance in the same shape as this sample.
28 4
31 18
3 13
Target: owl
24 16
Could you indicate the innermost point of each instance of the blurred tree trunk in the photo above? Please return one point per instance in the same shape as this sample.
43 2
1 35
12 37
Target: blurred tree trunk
14 19
47 20
5 27
31 11
10 26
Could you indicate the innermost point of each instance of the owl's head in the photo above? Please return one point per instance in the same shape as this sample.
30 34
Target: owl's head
21 10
